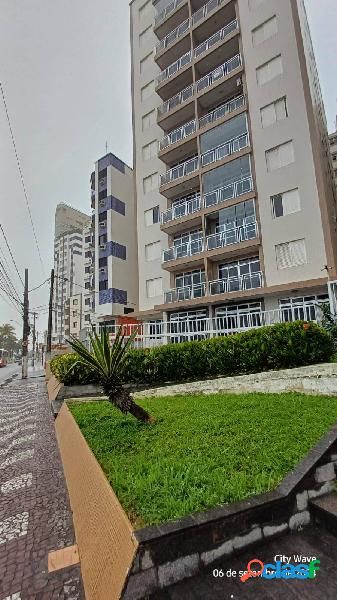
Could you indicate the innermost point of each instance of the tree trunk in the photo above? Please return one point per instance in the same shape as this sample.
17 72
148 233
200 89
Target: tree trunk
122 400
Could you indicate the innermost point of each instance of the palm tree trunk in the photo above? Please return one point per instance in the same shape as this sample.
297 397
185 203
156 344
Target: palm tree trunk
122 399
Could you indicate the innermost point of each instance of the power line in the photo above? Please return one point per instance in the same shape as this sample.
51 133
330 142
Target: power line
10 305
38 286
21 176
10 252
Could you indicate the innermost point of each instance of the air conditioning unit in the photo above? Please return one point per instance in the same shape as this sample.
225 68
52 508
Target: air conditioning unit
102 224
102 246
102 270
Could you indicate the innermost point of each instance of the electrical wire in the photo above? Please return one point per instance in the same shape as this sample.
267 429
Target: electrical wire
21 176
39 286
10 252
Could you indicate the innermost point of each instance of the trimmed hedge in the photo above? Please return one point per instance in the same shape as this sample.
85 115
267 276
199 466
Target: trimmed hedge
279 346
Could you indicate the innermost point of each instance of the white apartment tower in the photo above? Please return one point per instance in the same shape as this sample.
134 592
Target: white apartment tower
236 211
115 280
68 267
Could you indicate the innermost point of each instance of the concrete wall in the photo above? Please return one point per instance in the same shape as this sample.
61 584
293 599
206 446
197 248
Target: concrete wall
103 533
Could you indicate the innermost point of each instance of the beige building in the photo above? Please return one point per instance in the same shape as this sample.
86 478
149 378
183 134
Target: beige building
333 150
115 240
236 212
74 315
68 263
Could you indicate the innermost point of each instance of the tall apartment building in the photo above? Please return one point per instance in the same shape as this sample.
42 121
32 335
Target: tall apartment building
68 266
333 150
115 240
231 147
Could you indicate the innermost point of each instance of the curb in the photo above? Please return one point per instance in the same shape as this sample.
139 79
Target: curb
9 380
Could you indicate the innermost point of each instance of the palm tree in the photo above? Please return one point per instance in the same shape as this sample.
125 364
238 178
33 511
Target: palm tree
106 362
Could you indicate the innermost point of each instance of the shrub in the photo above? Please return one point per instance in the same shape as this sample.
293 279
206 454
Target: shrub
60 366
279 346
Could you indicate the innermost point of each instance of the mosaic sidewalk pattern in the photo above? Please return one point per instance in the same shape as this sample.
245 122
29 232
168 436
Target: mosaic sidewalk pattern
35 516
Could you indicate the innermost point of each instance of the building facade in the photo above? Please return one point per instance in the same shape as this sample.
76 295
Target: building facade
236 210
68 265
333 150
115 280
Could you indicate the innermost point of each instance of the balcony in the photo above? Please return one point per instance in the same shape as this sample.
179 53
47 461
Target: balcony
228 192
241 283
160 17
216 38
202 84
174 68
205 10
179 171
222 111
185 293
185 250
203 47
178 134
172 36
226 149
182 209
226 237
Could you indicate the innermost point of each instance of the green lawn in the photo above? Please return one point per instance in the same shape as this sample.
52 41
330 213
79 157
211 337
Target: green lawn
204 450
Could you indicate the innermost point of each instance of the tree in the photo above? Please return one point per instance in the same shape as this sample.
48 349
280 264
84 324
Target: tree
8 339
106 361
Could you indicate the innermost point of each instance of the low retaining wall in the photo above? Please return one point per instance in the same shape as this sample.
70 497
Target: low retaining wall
118 562
104 534
313 379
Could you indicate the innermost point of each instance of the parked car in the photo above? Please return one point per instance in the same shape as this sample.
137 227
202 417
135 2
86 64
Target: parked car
3 362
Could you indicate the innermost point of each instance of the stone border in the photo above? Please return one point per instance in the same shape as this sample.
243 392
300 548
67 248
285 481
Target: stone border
104 534
167 553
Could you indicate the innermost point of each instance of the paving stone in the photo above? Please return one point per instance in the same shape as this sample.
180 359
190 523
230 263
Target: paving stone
35 514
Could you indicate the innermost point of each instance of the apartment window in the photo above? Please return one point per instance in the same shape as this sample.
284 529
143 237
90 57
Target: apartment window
269 70
147 90
87 285
286 203
74 313
152 216
75 324
276 111
146 62
280 156
103 239
150 183
87 269
75 302
103 262
148 120
150 150
87 302
154 287
103 285
265 31
291 254
145 36
152 251
145 9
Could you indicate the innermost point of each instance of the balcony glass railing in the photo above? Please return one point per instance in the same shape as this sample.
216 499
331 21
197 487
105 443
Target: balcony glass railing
185 293
219 73
178 134
216 37
215 75
182 209
175 67
189 128
184 250
172 36
235 235
227 192
182 170
236 284
226 149
205 10
222 111
168 10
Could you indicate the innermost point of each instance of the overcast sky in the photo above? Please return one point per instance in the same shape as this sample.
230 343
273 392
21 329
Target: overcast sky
65 69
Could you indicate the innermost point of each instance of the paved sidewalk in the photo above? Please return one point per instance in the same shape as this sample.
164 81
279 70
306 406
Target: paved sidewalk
35 516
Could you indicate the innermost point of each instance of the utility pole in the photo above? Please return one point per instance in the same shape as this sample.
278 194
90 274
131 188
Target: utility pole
50 314
37 347
34 339
25 329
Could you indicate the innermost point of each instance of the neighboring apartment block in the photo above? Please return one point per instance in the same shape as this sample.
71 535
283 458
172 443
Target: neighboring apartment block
236 211
68 267
115 240
333 150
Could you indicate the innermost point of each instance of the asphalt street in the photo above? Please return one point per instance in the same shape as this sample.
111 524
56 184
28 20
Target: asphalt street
6 372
